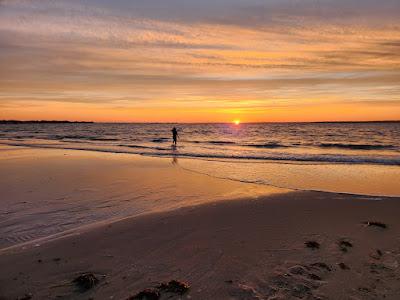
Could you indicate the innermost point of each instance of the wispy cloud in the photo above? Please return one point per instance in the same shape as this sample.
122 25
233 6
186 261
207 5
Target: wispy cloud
213 54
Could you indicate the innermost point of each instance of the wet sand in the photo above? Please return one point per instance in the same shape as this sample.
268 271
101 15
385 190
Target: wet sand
252 248
230 250
45 192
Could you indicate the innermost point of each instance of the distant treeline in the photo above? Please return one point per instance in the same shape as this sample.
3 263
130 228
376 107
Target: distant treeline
41 122
355 122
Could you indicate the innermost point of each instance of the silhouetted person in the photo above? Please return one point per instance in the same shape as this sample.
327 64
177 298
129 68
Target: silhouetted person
174 135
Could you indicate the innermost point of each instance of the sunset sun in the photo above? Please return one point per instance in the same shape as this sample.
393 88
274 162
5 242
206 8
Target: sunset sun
236 122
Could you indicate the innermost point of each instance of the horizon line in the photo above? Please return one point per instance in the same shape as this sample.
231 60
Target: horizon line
229 122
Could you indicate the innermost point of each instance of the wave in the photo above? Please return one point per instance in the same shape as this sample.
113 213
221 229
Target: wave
145 147
160 140
270 145
221 143
389 160
71 137
266 145
211 142
356 146
104 139
81 137
292 158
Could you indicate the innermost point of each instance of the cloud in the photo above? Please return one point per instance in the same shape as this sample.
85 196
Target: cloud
189 53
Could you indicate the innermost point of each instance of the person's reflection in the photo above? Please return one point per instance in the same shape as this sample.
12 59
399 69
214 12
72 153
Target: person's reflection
174 155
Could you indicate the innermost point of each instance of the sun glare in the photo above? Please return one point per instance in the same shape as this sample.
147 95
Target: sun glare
237 122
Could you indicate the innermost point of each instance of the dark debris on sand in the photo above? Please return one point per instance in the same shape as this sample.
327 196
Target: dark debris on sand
312 244
175 287
172 287
28 296
376 224
86 281
345 245
343 266
297 270
313 276
321 265
377 268
376 254
147 294
299 282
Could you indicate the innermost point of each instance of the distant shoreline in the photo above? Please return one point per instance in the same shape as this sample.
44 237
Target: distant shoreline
42 122
92 122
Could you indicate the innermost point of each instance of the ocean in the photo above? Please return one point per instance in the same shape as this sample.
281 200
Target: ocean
342 143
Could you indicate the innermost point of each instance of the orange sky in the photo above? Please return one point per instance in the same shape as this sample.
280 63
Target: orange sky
214 61
326 112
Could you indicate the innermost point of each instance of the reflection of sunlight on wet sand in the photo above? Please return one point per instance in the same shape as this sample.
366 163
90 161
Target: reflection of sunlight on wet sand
375 180
65 189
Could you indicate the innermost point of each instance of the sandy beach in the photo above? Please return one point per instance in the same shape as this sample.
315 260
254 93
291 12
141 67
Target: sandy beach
199 150
255 247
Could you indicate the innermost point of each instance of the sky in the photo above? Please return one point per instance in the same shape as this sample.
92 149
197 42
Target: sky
200 61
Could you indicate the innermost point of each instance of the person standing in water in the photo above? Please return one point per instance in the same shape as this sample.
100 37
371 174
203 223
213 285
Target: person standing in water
174 135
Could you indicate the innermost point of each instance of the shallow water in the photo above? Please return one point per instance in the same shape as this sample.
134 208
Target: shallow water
357 158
